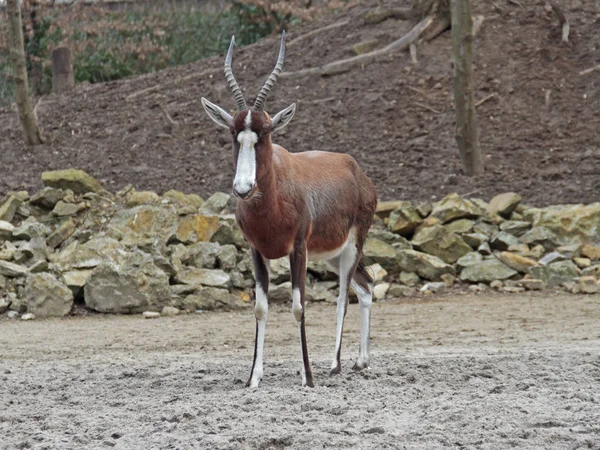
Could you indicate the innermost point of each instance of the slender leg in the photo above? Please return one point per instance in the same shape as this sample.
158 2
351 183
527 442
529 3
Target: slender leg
298 270
363 286
348 260
261 310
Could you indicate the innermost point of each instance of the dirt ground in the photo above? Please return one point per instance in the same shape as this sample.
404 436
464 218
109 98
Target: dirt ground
458 372
539 131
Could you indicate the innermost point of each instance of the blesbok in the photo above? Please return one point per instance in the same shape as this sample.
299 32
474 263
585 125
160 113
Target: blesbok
314 204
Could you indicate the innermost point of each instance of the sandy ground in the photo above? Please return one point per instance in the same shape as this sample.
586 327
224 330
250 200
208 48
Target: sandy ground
456 372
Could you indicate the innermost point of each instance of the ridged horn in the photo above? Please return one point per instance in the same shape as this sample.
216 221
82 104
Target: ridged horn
235 88
259 104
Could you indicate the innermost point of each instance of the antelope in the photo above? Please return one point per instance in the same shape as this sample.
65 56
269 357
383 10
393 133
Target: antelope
310 205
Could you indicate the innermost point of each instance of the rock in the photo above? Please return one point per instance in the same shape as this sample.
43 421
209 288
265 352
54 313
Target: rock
89 254
378 252
542 236
77 278
380 291
591 251
192 200
365 46
47 197
426 266
29 230
151 315
28 316
536 252
570 224
64 231
131 285
321 291
135 198
158 221
424 209
515 227
384 209
485 249
592 270
11 270
39 266
504 204
377 272
404 219
513 289
532 284
453 207
449 279
588 285
76 180
169 311
409 278
227 257
433 287
475 240
395 240
204 277
210 299
556 273
229 232
470 259
202 254
552 257
487 271
12 315
63 209
216 203
497 284
570 251
397 290
8 207
47 296
502 240
4 304
517 262
321 271
280 293
280 270
582 263
437 241
488 229
460 226
519 248
6 229
197 228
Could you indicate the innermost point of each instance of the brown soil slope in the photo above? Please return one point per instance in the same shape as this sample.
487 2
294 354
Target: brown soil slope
396 118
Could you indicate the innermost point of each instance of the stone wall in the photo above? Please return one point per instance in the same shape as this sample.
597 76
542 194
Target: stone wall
134 252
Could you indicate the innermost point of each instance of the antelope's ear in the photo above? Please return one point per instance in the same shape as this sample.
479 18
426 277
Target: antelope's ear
283 117
217 114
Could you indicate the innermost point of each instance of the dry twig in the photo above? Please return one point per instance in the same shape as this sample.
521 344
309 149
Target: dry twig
428 108
158 87
566 28
485 99
344 65
590 70
412 48
312 33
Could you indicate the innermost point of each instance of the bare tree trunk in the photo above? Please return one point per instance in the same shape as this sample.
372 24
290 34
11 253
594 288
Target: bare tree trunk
467 133
17 53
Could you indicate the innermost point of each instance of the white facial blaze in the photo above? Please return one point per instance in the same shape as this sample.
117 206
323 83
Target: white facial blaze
245 173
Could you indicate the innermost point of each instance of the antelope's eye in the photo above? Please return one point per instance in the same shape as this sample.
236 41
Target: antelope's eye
233 132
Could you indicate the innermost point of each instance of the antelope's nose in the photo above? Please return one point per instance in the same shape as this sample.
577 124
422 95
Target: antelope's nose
243 190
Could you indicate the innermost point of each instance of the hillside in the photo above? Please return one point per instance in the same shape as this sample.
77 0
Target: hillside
395 118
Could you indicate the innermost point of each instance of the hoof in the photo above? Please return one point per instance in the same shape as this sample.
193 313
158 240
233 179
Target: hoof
358 366
335 371
309 381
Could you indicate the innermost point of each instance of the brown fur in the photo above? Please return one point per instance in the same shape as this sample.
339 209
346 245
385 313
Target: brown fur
314 196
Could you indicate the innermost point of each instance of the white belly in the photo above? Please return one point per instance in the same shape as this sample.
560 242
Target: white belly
325 256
